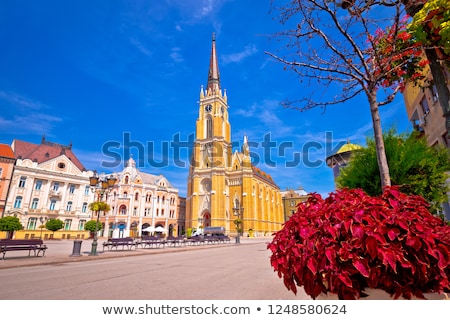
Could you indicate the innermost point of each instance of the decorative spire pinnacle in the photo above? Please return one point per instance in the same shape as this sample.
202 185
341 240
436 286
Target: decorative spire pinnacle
213 73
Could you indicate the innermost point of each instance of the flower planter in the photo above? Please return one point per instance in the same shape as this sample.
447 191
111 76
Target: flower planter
379 294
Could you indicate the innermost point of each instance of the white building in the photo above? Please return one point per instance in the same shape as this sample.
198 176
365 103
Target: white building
48 182
139 200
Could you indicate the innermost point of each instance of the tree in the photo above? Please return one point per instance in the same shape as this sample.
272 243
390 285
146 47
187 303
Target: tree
414 166
91 226
342 48
10 224
54 224
99 206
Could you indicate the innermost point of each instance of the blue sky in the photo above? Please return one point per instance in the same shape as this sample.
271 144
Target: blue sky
109 75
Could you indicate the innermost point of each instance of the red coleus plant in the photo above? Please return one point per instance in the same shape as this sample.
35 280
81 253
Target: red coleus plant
351 241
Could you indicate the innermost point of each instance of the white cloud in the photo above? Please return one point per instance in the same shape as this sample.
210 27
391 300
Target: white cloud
176 55
136 43
27 118
21 101
239 56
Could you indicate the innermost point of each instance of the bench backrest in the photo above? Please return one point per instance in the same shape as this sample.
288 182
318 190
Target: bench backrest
12 242
126 239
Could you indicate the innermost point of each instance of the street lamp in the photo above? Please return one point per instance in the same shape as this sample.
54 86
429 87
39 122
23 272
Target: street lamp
100 186
237 211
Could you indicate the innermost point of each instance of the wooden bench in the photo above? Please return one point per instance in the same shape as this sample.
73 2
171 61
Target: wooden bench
195 240
152 241
176 241
127 242
35 245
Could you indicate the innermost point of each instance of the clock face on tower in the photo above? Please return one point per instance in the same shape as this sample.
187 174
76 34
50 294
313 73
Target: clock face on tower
208 108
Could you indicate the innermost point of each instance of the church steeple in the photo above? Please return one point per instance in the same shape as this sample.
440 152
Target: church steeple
213 73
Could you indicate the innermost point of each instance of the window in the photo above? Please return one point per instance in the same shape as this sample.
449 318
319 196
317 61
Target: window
136 196
123 210
135 211
72 189
34 203
18 202
84 207
424 104
61 165
67 224
32 224
55 186
86 190
69 206
52 204
22 182
38 184
209 128
81 224
434 92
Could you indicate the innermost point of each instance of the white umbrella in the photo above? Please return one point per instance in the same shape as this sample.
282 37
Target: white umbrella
149 229
160 229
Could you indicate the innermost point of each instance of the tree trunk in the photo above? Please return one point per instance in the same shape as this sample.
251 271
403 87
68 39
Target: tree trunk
379 142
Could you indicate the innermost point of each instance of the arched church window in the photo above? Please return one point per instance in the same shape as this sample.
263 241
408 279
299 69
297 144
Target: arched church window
209 127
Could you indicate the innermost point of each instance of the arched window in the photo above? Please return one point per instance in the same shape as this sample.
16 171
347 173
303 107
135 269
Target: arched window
34 203
69 206
18 202
136 196
123 210
209 127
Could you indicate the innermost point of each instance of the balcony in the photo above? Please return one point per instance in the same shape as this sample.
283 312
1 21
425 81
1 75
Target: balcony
55 193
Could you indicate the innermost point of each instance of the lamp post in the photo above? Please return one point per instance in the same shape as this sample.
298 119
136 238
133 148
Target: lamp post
100 186
237 211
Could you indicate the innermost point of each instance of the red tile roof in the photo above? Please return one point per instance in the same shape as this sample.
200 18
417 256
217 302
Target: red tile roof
6 151
44 152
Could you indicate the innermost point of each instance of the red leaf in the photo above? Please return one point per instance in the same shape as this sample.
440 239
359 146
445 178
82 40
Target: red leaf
362 267
312 264
345 279
372 247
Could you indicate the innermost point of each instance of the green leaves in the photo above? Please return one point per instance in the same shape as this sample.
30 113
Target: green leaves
414 166
99 206
10 223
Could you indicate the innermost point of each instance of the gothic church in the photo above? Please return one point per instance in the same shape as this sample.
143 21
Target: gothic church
224 186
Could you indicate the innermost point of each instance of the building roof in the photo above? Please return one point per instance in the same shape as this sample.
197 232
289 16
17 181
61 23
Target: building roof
6 151
213 72
44 152
348 147
264 176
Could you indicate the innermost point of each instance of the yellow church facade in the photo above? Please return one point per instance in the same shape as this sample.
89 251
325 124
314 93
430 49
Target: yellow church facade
224 188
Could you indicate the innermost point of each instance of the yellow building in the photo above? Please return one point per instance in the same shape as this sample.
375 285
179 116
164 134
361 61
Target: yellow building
224 186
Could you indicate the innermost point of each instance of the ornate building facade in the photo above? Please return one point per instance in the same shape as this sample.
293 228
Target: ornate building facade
48 182
139 200
223 186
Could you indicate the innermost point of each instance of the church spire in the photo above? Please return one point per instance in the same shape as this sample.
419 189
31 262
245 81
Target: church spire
213 73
